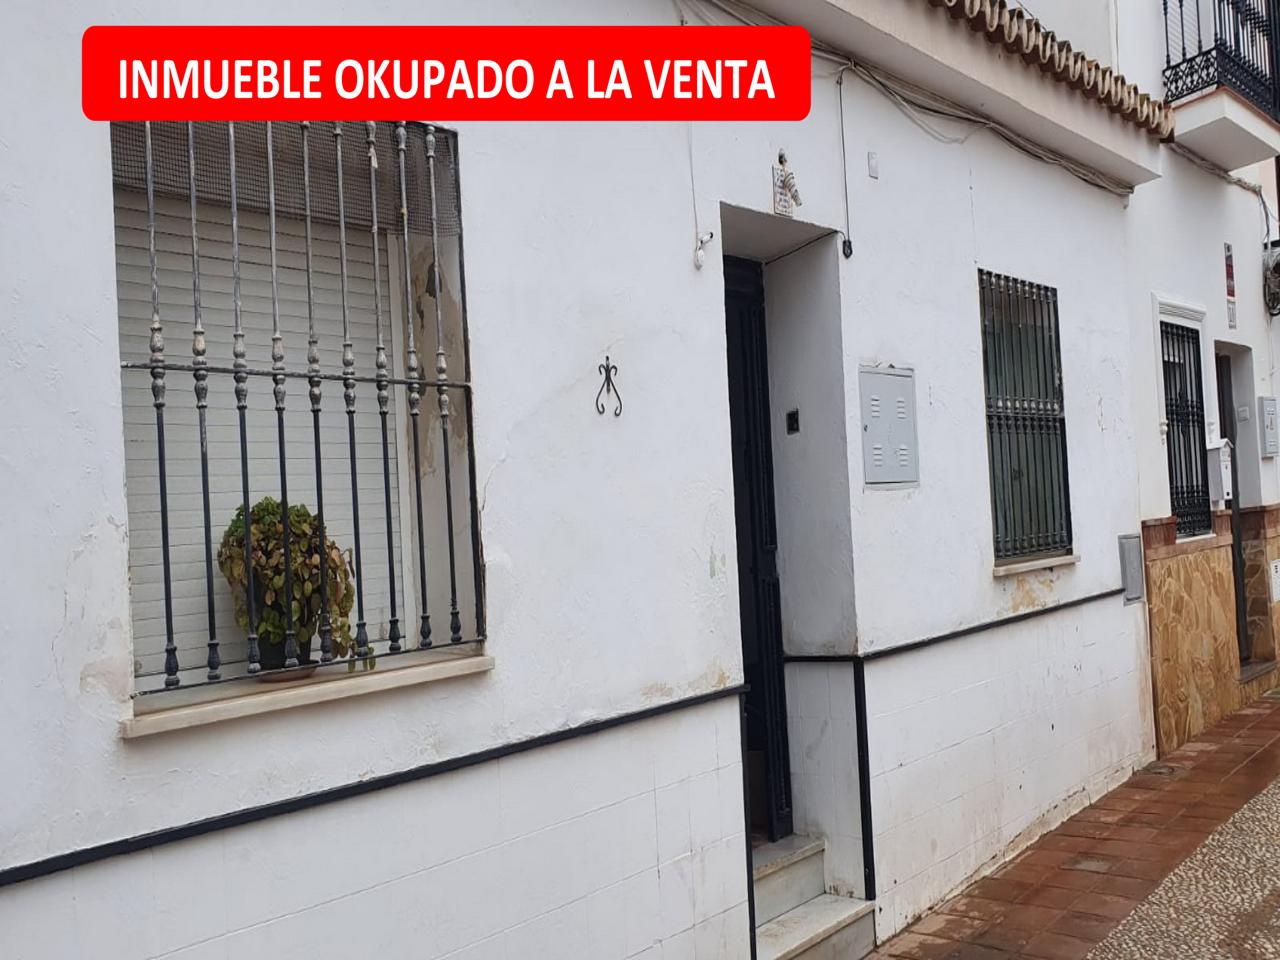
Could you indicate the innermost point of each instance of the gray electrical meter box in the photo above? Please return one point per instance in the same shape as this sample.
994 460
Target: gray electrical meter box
1131 573
889 450
1268 436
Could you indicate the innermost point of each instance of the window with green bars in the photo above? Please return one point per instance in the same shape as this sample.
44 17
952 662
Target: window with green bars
1026 426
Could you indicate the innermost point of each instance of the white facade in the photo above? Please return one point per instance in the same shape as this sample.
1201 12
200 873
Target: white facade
610 567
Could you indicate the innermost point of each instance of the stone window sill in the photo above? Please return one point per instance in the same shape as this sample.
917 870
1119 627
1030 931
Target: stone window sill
1039 563
428 667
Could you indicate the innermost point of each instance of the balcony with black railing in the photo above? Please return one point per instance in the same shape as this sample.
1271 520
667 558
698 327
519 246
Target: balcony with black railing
1222 73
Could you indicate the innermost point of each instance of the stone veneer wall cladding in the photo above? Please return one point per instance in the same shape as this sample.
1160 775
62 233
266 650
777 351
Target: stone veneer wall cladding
1195 662
1260 543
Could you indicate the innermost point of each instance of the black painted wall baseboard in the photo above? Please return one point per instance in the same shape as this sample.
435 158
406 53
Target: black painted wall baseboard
276 808
859 662
969 631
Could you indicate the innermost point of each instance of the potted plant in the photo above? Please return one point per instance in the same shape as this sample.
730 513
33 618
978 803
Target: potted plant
268 568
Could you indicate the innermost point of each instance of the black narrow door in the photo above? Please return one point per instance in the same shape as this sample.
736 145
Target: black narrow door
769 766
1227 417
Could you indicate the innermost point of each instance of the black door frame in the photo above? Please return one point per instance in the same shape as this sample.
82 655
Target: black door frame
756 524
1227 417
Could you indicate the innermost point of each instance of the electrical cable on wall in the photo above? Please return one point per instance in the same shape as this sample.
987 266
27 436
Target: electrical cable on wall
1272 304
1225 175
917 104
912 100
700 239
846 247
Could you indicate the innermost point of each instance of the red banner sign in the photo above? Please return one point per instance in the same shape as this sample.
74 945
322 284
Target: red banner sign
446 73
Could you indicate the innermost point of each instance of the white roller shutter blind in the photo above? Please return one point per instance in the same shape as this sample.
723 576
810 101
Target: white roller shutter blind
173 239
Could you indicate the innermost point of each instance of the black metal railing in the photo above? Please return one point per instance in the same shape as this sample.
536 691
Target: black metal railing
1026 423
288 574
1230 43
1185 430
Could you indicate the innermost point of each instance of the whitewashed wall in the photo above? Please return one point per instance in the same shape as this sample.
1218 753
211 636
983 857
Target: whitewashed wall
960 762
822 725
598 603
1188 268
559 853
811 479
611 573
567 496
924 555
979 745
1088 24
1176 230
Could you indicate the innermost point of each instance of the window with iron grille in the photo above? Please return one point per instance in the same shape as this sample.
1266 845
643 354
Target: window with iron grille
1026 429
293 348
1185 439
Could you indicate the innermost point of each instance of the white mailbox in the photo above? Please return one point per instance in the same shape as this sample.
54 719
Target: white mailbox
1219 468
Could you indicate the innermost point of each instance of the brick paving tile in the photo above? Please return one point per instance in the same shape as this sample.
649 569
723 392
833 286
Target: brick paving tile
1059 898
1146 819
1133 888
1139 834
1030 916
1144 869
1158 807
1072 879
1128 849
1104 905
1005 936
918 946
995 888
1100 815
950 927
1209 824
979 907
1178 837
976 951
1084 828
1083 926
1127 793
1047 859
1094 863
1056 841
1064 893
1054 946
1110 802
1025 870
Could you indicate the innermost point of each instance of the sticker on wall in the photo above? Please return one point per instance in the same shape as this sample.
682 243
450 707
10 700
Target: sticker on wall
1231 286
1275 581
786 195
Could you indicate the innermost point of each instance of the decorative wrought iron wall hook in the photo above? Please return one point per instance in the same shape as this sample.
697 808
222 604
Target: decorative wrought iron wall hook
608 371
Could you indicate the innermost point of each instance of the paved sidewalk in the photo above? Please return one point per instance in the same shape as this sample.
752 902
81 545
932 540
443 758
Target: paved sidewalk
1065 893
1223 901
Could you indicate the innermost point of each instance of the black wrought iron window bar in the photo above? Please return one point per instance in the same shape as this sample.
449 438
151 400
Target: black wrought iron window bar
1229 43
1185 430
343 238
1026 424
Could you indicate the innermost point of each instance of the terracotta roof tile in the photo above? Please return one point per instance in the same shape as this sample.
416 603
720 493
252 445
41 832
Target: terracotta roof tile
1025 36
